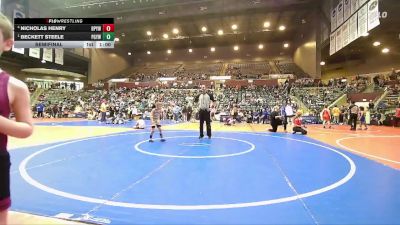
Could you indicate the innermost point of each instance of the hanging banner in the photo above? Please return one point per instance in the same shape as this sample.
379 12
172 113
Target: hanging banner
48 54
353 29
363 21
373 14
354 6
34 52
361 2
347 10
59 56
333 19
346 33
339 41
18 50
339 13
18 14
332 44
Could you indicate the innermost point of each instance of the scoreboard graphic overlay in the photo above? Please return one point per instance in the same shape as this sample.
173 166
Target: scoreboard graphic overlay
64 32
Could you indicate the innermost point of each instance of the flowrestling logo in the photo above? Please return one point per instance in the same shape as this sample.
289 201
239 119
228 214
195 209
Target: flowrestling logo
373 5
340 7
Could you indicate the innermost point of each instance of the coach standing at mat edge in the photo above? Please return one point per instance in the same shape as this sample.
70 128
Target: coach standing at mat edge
204 100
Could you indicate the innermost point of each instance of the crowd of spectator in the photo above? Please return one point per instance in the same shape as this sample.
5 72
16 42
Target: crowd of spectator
250 104
123 104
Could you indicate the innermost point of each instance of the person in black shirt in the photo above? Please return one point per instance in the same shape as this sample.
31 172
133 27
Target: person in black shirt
371 105
189 112
275 118
353 115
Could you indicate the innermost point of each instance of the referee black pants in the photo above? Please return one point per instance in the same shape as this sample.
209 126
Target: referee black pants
205 116
353 121
274 127
299 129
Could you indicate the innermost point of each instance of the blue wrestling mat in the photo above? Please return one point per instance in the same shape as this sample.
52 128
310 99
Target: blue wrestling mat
233 178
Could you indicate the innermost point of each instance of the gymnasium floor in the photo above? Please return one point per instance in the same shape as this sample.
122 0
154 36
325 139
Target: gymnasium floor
110 174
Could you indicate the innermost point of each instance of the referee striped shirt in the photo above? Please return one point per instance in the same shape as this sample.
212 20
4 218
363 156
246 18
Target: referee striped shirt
204 101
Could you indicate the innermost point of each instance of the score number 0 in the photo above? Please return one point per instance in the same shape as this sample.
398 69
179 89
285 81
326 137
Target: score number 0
108 27
108 32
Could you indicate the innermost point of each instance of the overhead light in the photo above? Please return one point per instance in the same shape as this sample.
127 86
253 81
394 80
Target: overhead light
148 33
376 43
322 63
169 51
286 45
175 31
148 52
116 39
235 47
260 46
365 35
234 27
267 24
282 28
190 50
385 50
204 29
129 53
165 36
212 49
43 61
220 32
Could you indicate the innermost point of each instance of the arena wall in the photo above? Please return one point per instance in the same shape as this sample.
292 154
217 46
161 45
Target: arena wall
104 63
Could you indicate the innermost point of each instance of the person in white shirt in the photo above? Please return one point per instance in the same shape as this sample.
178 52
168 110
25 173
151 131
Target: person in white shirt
204 100
289 113
140 124
134 112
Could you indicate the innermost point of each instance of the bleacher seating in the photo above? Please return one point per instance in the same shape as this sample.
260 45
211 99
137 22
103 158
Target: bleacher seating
315 98
391 101
202 71
211 69
252 70
289 67
253 98
198 71
152 72
166 70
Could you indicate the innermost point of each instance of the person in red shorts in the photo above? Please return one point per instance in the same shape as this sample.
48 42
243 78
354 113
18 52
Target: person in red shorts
14 97
326 117
297 124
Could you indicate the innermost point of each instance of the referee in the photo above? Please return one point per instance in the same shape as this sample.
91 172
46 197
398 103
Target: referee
353 115
204 100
